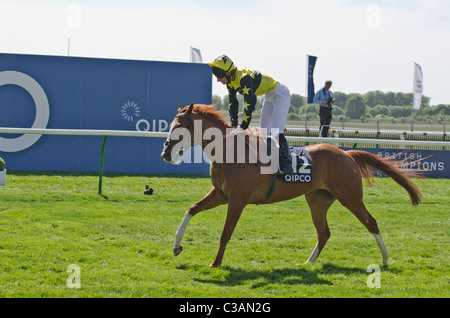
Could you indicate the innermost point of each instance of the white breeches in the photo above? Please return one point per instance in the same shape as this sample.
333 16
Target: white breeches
275 109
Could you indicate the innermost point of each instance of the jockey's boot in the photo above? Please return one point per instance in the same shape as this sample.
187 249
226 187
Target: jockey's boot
285 156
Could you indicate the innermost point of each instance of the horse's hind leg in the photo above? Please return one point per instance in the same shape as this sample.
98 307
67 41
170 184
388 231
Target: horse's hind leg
319 202
211 200
360 211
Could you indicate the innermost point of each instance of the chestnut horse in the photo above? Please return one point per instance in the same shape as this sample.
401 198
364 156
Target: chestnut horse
336 174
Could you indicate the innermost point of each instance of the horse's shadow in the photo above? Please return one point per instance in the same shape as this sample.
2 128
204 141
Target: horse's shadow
288 276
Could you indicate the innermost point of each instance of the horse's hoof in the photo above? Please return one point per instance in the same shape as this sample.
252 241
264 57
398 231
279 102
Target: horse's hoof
177 250
305 263
214 265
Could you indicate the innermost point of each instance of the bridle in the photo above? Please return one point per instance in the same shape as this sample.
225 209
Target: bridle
188 127
189 120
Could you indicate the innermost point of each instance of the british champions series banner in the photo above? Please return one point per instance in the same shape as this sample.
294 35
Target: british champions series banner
432 163
90 93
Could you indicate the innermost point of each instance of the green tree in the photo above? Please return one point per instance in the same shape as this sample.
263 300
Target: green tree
403 99
297 101
400 111
355 107
379 110
341 99
443 109
216 99
338 110
312 110
389 98
374 98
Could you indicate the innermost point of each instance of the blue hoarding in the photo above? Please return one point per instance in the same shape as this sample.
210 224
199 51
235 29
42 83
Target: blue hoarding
433 163
58 92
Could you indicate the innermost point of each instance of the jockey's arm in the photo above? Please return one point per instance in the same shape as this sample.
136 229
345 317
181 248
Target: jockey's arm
233 107
249 100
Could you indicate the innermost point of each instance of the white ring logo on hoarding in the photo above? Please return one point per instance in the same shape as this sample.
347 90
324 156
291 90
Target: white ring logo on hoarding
42 110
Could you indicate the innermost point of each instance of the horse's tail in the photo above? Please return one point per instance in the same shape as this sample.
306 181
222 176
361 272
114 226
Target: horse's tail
388 166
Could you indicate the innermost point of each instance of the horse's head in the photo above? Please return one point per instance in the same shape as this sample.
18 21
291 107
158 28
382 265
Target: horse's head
179 139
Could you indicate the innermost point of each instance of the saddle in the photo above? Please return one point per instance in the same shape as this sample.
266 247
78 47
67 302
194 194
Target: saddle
302 171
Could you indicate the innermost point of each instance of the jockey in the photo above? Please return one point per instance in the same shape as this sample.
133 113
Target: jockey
251 84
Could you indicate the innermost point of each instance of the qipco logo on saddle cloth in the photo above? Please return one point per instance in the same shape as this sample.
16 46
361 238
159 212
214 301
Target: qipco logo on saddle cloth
42 110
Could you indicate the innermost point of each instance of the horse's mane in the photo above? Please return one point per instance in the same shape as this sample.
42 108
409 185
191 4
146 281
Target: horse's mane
209 111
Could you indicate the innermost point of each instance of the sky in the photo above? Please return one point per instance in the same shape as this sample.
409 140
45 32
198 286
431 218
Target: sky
361 45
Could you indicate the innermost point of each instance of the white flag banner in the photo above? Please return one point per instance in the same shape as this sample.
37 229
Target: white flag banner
196 56
418 86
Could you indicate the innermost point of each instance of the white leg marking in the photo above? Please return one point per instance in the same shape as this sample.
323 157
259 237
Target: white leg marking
180 232
314 254
383 248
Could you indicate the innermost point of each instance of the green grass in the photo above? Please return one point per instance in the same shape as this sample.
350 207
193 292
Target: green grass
122 241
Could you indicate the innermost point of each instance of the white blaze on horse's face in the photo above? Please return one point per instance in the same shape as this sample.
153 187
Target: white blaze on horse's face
174 147
172 126
165 154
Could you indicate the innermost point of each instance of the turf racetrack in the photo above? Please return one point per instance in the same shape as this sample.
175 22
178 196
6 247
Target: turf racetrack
122 242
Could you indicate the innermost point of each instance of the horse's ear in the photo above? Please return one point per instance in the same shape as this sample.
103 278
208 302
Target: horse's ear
180 107
189 111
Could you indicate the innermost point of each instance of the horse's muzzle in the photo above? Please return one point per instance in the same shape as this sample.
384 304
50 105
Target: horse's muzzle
166 154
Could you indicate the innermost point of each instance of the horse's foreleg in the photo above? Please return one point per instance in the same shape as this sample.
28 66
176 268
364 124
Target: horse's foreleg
319 202
177 247
211 200
235 208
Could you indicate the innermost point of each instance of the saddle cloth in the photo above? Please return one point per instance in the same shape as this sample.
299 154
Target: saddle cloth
301 166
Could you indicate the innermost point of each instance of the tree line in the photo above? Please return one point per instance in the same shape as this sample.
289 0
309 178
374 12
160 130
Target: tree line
373 105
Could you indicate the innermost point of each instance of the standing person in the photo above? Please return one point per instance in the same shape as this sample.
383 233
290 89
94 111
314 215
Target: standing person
325 98
251 84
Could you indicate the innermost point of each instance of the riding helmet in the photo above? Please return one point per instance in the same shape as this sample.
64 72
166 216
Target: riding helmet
221 65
